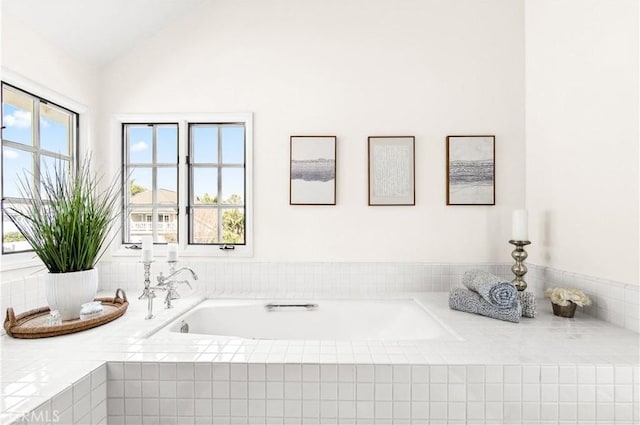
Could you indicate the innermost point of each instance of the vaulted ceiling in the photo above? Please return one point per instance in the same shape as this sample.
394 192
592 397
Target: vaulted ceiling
98 31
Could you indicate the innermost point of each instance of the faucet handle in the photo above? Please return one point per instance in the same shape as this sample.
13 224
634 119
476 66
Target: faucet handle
147 294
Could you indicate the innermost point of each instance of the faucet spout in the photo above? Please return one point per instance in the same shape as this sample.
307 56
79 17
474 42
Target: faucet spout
172 275
170 284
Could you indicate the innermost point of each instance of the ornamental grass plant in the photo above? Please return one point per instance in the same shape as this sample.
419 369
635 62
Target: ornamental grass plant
68 218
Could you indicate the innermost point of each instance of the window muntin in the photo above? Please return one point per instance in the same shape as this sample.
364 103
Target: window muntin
217 183
151 182
36 134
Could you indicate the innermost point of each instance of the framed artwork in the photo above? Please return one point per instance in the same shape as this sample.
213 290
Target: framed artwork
313 170
471 170
392 170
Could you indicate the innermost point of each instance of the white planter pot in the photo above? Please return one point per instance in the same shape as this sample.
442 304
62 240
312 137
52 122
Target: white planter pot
66 292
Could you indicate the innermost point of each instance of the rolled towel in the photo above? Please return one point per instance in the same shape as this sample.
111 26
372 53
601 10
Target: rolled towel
465 300
490 287
528 303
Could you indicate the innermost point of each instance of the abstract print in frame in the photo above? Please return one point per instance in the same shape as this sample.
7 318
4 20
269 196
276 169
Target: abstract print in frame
313 170
471 170
392 170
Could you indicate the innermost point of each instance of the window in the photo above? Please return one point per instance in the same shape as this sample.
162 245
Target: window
151 186
216 184
187 181
36 133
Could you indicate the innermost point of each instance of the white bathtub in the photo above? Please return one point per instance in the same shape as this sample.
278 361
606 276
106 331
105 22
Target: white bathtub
330 320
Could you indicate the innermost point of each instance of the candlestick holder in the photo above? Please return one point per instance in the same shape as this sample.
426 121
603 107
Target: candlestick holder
519 269
172 265
147 293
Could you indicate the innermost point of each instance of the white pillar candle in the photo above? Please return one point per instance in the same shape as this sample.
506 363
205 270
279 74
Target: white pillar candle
172 252
520 229
147 248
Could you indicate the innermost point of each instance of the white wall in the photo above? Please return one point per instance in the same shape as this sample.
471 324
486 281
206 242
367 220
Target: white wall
582 135
33 63
351 69
34 58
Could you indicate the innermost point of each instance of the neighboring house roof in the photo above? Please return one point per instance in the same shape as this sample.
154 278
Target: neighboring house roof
165 196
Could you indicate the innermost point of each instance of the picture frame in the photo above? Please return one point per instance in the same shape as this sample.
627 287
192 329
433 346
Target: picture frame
471 170
391 170
312 172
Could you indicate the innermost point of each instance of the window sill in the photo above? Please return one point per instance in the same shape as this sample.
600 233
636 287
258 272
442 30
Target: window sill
191 252
13 262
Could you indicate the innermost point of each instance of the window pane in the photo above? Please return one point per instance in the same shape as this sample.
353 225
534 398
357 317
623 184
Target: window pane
17 166
205 186
139 187
143 189
17 117
233 186
167 224
20 167
232 145
12 239
138 224
204 225
167 143
48 165
48 168
55 129
140 144
233 226
204 141
167 186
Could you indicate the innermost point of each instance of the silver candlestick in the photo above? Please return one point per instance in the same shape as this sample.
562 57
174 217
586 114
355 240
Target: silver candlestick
147 292
172 266
519 269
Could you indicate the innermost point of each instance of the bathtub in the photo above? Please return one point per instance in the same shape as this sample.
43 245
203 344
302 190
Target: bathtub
402 319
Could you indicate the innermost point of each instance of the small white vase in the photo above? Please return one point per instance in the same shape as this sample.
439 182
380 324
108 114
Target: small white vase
66 292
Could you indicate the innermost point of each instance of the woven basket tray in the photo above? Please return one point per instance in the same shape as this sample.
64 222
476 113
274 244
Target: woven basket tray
33 323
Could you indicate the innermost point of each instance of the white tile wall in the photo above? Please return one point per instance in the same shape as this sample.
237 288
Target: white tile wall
22 294
194 393
82 403
332 279
614 302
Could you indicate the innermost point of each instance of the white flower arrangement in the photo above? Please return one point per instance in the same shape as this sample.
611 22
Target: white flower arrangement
563 296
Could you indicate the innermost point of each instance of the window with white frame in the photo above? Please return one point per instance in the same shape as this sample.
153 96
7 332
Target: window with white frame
36 136
186 182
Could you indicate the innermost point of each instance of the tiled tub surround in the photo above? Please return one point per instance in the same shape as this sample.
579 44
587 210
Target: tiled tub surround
614 302
83 402
38 375
543 370
274 393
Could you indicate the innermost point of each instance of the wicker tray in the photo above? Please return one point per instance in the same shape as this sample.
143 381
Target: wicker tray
33 323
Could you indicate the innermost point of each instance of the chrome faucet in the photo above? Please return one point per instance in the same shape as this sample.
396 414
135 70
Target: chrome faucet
169 284
164 284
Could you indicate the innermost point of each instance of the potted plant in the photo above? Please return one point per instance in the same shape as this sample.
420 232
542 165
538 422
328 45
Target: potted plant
564 301
67 219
